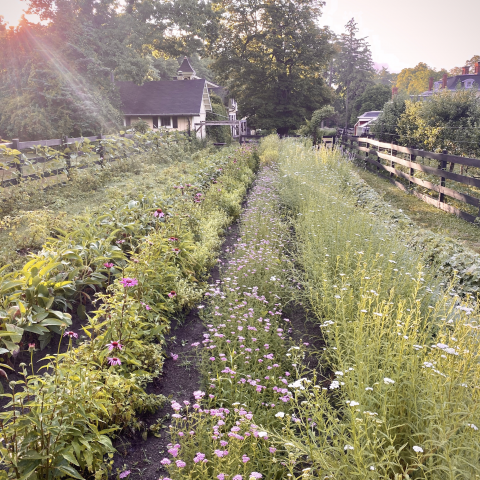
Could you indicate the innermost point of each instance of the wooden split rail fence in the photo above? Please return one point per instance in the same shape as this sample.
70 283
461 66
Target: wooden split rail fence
376 151
20 164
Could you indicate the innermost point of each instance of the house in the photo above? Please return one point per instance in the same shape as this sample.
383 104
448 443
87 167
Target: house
364 122
180 104
466 80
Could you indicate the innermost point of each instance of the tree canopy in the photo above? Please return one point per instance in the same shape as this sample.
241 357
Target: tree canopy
415 80
270 54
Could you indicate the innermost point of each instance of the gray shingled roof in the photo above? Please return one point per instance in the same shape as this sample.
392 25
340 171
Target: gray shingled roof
453 82
173 97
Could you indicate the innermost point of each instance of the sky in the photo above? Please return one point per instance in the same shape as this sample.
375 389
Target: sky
441 33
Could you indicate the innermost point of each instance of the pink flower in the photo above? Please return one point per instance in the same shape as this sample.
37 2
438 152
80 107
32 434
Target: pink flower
173 452
70 334
31 346
172 294
109 265
173 239
221 476
158 213
180 463
212 359
198 394
237 477
124 474
114 345
165 461
272 449
256 475
174 356
245 459
114 361
176 251
219 453
199 457
129 282
176 406
196 344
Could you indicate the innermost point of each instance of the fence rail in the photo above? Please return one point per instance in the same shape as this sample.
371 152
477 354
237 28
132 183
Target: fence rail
16 166
389 152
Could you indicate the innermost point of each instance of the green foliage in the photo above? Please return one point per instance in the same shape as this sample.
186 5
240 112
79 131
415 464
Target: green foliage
372 99
384 77
446 121
470 63
141 126
218 134
271 65
312 127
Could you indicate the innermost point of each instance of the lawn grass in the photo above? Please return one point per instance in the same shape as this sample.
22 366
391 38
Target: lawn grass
422 214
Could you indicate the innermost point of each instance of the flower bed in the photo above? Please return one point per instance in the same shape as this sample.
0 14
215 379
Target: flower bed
152 255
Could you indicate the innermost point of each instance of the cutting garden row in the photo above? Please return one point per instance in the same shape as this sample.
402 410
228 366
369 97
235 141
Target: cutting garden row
141 262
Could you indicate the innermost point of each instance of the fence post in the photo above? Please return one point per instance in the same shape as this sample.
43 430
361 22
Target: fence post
412 170
442 165
393 153
18 166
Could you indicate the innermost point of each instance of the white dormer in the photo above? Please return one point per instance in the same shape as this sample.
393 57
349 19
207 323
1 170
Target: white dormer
437 85
468 83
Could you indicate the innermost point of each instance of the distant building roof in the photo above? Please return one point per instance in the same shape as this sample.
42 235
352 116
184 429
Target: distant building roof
469 81
168 97
370 115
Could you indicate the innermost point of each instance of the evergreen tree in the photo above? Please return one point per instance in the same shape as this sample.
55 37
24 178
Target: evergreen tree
353 68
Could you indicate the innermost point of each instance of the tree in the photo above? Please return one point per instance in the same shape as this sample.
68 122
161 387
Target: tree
470 63
353 68
385 127
384 77
270 54
415 80
372 99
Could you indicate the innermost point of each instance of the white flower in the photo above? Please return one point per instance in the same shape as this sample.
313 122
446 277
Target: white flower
338 373
417 449
378 314
262 434
387 381
372 468
280 414
352 403
273 279
348 447
369 388
337 296
335 384
471 425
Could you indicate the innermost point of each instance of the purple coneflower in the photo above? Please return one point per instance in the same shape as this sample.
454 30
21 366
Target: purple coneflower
129 282
114 345
110 265
114 361
124 474
70 334
172 294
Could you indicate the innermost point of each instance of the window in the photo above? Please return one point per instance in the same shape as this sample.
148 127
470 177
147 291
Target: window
127 121
155 122
437 85
469 83
165 121
174 122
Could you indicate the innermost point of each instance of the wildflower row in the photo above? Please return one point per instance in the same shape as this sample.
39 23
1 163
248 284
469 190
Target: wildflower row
252 368
58 424
401 360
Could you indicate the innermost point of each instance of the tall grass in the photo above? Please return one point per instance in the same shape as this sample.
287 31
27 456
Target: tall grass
402 400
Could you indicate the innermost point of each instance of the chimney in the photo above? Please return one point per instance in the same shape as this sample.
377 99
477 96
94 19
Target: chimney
430 84
444 80
477 68
394 91
465 70
179 75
